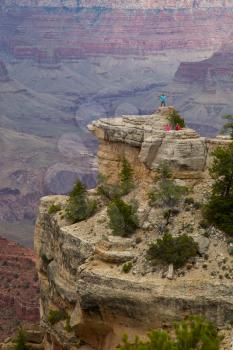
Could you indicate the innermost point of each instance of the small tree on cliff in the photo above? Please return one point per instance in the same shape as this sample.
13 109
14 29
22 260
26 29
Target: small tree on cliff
123 218
126 177
79 206
228 127
20 340
175 118
166 193
194 333
218 211
119 189
172 250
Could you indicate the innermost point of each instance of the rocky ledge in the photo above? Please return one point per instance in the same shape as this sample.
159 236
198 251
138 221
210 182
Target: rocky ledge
81 265
184 149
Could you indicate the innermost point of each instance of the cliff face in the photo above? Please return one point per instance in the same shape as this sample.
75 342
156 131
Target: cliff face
19 299
80 265
108 27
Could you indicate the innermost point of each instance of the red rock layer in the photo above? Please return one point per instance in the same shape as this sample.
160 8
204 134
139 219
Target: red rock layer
19 289
53 35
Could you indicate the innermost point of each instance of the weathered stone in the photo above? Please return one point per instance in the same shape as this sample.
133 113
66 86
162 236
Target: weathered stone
77 316
170 273
203 244
183 150
77 263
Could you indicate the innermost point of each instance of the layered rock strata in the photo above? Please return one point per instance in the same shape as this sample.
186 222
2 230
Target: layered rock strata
80 265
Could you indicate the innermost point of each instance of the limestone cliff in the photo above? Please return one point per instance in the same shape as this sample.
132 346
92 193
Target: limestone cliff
80 265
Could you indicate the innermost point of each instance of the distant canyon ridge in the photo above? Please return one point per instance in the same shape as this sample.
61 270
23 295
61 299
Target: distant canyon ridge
143 4
64 63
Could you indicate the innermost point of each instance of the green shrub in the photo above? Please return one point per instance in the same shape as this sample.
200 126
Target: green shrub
175 118
123 217
68 327
20 340
126 177
218 210
173 250
222 171
117 190
166 193
54 208
55 316
79 206
194 333
219 213
127 267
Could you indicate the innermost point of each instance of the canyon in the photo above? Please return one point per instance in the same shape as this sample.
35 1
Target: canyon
19 288
66 63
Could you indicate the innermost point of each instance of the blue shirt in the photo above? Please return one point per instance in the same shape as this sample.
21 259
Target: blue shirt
163 98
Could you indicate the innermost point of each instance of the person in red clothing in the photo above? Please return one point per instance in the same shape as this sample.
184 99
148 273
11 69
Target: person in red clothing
178 127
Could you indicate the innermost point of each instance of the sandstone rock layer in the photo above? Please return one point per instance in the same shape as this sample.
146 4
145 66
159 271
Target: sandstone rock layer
80 266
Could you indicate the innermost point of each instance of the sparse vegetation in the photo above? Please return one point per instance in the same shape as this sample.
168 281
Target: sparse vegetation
194 333
172 250
175 119
218 210
126 177
228 127
20 340
123 217
127 267
79 206
68 327
55 316
117 190
54 208
166 193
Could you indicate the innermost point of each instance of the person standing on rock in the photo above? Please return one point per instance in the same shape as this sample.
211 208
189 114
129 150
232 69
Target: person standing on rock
163 99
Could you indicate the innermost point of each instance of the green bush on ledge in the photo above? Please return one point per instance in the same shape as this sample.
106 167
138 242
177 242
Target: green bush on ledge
55 316
54 208
175 118
194 333
123 218
79 207
173 250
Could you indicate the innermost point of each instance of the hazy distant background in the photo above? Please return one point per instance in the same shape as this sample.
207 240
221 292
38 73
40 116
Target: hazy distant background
63 66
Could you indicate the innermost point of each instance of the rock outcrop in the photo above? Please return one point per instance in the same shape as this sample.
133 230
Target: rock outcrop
184 150
80 266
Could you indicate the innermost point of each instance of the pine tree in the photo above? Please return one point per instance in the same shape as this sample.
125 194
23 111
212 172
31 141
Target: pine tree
123 217
79 206
20 341
126 177
194 333
218 210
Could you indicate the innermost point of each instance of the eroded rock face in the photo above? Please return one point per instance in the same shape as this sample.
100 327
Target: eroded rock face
81 266
102 302
183 150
